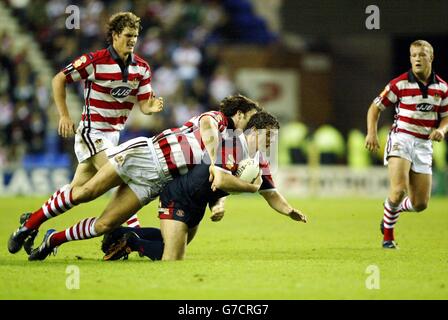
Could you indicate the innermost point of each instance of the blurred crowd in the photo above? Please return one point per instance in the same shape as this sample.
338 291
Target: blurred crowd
24 100
179 38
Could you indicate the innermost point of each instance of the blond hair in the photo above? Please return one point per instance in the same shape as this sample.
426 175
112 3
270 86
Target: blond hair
423 43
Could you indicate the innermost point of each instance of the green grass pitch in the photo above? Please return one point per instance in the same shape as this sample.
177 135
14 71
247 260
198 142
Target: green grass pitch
253 253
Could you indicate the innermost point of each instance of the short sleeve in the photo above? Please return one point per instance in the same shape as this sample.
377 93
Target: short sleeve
80 68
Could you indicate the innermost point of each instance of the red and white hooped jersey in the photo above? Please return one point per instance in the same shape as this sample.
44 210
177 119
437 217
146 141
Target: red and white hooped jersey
419 108
180 149
111 87
233 150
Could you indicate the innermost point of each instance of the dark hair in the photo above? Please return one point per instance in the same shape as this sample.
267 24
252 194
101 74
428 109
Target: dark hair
232 104
119 21
263 120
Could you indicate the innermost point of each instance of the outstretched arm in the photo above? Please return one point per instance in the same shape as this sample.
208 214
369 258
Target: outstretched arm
279 204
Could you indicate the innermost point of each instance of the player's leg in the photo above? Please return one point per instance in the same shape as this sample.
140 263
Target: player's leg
97 161
120 207
105 179
175 235
398 169
419 192
121 241
83 173
191 233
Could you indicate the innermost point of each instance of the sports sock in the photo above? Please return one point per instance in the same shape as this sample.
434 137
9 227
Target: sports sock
149 233
58 203
84 229
150 243
133 222
153 249
406 205
391 214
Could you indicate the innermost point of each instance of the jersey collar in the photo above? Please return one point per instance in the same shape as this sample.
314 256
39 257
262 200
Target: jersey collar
413 78
116 57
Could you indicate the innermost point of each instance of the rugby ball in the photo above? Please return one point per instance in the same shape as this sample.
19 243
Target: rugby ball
248 170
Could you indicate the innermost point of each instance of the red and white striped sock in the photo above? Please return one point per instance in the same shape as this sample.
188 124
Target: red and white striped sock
133 222
390 218
60 202
84 229
406 205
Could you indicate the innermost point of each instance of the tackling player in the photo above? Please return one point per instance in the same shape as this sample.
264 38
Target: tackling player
141 167
184 200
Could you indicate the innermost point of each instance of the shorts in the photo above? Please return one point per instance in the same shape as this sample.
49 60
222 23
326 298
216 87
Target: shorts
89 142
190 215
417 151
186 198
136 163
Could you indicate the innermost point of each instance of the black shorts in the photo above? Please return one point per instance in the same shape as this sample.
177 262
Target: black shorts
186 197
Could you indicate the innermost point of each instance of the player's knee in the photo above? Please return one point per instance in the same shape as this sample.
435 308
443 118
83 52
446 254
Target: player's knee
173 253
172 257
81 194
420 206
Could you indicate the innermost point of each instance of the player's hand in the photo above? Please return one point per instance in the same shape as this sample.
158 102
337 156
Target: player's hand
154 105
297 216
437 135
258 181
66 127
372 143
217 212
215 177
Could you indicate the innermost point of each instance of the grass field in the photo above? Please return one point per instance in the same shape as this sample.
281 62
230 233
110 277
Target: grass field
253 253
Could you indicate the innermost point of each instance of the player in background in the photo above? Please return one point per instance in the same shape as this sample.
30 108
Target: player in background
421 104
115 80
141 167
184 200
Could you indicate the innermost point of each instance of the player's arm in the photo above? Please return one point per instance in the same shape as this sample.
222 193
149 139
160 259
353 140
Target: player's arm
440 133
372 143
277 202
229 183
66 126
208 128
151 105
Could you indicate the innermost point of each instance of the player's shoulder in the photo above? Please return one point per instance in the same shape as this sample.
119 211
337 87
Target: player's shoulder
401 77
218 115
442 82
99 54
141 62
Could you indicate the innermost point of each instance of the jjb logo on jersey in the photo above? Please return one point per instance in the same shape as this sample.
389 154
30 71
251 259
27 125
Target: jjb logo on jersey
425 107
120 92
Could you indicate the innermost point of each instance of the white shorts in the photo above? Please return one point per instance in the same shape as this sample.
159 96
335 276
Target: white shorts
137 164
89 142
417 151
